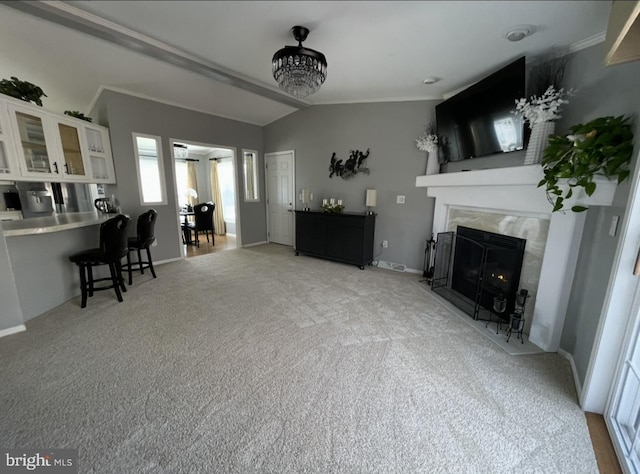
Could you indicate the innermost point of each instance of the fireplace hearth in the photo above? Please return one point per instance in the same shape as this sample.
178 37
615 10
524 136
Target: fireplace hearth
473 266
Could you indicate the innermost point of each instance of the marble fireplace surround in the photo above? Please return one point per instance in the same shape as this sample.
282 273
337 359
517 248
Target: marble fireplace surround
513 191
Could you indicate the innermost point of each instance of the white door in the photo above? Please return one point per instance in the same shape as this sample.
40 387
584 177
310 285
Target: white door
280 196
624 411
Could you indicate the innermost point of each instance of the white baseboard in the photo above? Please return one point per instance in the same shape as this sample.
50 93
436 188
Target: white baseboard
13 330
168 260
574 371
413 270
254 244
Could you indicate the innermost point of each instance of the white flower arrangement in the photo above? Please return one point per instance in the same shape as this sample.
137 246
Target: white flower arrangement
428 142
545 108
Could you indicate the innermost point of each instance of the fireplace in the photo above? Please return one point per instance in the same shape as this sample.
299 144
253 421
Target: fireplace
474 266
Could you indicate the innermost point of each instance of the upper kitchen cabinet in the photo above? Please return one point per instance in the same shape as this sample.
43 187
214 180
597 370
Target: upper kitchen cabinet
8 167
72 153
99 151
42 146
34 142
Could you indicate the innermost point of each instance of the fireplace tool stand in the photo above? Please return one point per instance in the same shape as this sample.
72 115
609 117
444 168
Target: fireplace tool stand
516 320
499 306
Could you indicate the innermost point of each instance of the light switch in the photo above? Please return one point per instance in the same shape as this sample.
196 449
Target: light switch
614 226
399 199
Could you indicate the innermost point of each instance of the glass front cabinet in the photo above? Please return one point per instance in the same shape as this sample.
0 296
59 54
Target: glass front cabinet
34 142
99 151
51 147
8 167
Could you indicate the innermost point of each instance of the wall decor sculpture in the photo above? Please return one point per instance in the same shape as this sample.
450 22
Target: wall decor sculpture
354 165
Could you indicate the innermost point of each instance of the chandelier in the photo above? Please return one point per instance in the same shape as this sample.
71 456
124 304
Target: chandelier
299 71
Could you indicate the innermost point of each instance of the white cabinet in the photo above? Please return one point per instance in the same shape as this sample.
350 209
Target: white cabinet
8 165
34 142
36 145
72 155
99 151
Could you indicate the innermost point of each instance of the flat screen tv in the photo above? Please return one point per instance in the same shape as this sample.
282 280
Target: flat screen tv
479 120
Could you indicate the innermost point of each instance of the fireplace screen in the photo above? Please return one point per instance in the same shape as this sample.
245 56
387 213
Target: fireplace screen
473 266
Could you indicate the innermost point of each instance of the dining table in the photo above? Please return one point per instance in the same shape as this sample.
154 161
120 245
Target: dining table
186 231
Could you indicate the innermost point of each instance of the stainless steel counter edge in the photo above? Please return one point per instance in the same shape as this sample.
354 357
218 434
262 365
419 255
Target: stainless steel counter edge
44 225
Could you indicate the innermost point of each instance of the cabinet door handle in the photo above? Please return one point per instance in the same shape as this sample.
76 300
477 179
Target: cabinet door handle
66 168
636 267
56 168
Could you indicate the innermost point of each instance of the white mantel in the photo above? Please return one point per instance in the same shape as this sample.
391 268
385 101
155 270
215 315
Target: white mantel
515 190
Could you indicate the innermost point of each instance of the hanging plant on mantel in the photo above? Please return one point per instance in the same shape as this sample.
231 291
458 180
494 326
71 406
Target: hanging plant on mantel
602 147
22 90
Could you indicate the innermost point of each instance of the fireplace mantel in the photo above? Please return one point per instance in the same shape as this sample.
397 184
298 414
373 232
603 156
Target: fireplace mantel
515 191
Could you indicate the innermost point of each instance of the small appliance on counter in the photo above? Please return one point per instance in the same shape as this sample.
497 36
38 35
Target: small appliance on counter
36 199
12 201
105 205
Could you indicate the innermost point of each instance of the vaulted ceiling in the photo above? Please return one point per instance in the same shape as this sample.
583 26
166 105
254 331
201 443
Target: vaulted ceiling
376 51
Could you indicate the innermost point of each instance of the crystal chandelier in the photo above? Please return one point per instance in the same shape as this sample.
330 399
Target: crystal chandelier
299 71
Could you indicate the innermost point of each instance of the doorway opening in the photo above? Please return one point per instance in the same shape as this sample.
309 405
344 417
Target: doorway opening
205 175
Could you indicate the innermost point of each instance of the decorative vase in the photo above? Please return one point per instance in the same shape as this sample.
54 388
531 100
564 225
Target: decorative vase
538 142
433 165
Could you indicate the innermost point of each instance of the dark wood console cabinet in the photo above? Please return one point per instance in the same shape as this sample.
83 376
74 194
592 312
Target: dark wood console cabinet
345 237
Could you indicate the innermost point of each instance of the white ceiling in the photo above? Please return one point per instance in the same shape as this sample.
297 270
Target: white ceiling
376 51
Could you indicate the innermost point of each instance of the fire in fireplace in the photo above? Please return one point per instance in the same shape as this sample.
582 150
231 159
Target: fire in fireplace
474 266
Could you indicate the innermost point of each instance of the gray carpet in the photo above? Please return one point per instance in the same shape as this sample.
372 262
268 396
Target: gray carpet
255 360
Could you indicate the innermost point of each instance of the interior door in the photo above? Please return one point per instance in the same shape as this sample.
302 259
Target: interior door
624 412
280 196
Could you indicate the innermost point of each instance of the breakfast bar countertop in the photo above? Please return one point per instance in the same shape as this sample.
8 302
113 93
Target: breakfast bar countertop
55 223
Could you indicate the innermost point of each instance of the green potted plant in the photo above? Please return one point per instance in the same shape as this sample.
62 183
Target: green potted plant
602 147
78 115
22 90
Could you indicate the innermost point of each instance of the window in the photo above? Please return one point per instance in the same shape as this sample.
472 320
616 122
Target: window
227 189
250 172
181 183
148 150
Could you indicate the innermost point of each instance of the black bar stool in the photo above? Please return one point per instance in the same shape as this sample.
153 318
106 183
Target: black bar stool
113 247
144 239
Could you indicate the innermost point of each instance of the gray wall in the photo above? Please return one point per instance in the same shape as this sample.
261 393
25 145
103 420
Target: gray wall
10 312
389 130
614 90
125 114
44 276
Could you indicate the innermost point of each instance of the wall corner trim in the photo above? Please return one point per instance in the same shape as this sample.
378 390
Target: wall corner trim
574 371
13 330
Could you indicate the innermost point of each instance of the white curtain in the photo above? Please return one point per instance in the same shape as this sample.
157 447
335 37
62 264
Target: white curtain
218 215
192 180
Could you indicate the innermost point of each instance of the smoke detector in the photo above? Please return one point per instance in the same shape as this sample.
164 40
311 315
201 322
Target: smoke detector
431 80
519 32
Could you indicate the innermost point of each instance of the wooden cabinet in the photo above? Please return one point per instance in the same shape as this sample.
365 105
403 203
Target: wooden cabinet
346 237
36 145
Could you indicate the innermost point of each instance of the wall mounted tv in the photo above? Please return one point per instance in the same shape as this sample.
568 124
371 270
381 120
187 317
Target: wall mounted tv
479 120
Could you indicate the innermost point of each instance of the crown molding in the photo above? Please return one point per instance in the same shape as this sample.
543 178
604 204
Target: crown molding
79 20
587 42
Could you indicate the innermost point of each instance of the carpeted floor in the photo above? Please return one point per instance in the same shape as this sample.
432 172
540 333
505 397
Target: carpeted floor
254 360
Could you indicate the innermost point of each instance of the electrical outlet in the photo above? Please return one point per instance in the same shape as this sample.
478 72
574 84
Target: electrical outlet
385 244
399 199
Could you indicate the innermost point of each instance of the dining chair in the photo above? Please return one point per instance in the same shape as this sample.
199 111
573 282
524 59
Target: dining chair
203 214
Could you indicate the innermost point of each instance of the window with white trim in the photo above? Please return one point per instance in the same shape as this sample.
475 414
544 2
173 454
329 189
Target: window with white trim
150 167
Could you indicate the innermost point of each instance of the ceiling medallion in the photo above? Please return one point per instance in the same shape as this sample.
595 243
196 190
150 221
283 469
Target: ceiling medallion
299 71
